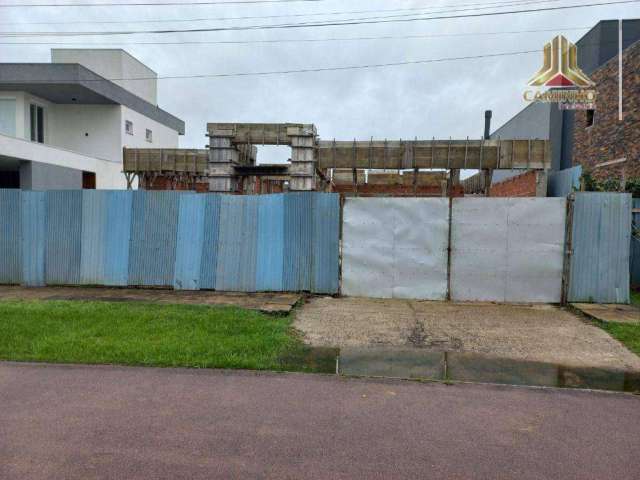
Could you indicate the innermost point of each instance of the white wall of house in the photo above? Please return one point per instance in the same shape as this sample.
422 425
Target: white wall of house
108 174
162 136
113 64
84 137
93 130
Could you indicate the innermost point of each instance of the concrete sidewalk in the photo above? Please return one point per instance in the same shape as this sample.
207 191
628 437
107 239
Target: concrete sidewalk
539 332
83 422
608 313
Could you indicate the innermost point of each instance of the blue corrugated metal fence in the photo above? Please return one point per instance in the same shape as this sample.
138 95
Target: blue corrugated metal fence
635 245
282 242
564 182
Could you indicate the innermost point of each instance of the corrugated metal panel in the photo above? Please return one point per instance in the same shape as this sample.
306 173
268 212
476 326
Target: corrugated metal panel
189 243
270 256
211 230
601 242
325 248
635 245
118 236
64 234
298 221
395 247
237 247
507 249
94 227
564 182
152 251
10 240
34 237
238 243
249 245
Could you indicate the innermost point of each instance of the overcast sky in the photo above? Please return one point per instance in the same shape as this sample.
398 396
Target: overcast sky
425 100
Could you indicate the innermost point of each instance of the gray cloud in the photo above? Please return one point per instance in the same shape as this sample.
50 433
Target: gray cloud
430 100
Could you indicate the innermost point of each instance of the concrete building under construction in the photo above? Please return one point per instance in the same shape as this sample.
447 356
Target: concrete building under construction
368 168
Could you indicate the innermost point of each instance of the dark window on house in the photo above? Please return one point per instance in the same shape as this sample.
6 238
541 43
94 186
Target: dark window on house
590 117
36 115
128 127
149 135
9 179
89 180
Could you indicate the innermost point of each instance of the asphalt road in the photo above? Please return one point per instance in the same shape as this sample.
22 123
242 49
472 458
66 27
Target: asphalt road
83 422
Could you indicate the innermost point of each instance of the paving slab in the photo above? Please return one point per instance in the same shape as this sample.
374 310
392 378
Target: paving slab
606 312
280 303
543 333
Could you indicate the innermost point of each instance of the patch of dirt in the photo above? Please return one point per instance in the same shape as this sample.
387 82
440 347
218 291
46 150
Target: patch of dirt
420 338
279 303
542 333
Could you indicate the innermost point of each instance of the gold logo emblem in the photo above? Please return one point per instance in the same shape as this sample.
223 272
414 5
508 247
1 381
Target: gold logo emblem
560 68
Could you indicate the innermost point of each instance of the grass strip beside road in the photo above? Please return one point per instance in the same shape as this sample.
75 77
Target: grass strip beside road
627 333
135 333
635 297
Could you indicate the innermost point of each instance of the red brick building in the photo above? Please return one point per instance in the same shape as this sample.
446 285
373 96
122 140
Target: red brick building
596 140
602 144
523 185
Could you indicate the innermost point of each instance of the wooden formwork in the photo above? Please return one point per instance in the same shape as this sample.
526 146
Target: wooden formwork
232 146
428 154
137 160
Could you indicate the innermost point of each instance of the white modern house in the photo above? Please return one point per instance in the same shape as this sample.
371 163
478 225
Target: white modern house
64 124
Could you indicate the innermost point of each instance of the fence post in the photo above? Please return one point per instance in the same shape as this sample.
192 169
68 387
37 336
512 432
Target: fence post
568 250
449 250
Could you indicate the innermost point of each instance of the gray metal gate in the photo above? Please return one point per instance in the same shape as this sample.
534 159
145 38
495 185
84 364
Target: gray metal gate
395 247
507 249
502 249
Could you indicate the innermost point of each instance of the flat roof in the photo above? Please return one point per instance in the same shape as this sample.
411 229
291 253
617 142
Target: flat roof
71 83
89 49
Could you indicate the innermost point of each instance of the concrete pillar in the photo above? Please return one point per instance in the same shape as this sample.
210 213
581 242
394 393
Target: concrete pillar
303 161
223 155
485 179
541 183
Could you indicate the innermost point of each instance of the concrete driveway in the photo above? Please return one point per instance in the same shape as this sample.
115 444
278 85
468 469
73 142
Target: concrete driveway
543 333
83 422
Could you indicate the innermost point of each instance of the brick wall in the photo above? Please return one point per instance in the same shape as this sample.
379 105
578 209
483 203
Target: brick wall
165 183
608 139
369 190
523 185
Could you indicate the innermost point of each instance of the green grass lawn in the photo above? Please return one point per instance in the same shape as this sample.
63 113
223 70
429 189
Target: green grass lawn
133 333
626 333
635 297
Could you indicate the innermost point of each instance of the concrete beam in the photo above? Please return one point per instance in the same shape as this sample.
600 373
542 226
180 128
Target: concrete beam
465 154
261 133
